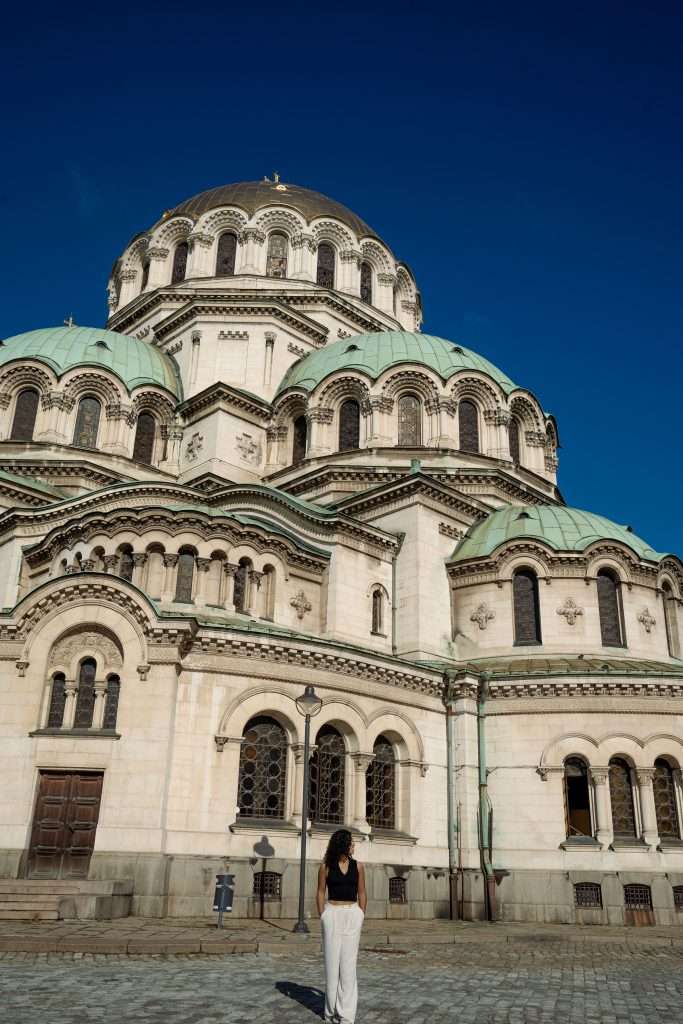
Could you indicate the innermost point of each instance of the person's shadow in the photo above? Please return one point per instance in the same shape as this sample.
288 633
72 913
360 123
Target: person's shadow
312 999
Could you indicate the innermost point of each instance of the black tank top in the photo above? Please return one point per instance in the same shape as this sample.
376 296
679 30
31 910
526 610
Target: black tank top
340 886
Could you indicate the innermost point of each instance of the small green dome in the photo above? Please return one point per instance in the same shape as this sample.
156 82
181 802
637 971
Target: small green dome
564 529
61 348
372 354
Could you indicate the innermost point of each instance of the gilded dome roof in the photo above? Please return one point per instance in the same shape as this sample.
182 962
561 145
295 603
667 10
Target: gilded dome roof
374 353
562 528
61 348
252 196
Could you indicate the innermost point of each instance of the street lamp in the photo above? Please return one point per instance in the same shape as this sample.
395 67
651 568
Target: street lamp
308 705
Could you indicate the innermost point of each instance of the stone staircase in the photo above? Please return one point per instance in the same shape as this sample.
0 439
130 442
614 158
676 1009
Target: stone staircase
55 900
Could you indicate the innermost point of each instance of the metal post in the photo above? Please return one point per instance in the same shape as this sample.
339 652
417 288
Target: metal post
301 925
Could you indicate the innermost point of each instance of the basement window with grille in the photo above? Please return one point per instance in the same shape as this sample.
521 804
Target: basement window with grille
397 890
678 897
588 894
268 885
637 897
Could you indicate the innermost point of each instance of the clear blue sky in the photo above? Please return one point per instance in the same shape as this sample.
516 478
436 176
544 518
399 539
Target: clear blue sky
524 159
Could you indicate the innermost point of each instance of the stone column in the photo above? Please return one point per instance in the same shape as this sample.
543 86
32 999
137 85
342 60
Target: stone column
535 454
303 259
276 438
604 832
168 587
70 696
201 577
252 590
385 293
648 813
139 562
318 423
199 256
378 435
348 272
227 601
98 708
129 286
498 441
158 274
298 790
110 562
173 435
251 241
361 762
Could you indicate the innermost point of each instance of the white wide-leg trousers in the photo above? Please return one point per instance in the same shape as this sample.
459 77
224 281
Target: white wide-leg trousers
341 928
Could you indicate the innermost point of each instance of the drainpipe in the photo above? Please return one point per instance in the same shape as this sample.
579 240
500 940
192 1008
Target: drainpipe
452 808
485 809
394 602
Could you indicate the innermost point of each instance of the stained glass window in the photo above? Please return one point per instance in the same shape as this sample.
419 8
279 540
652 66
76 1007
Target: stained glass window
366 283
300 441
381 785
665 800
526 607
577 800
143 449
87 423
468 422
126 564
327 766
325 271
85 701
268 586
25 412
609 608
621 796
349 425
377 611
278 246
179 263
111 705
225 255
145 276
55 717
184 577
409 425
263 769
514 441
241 585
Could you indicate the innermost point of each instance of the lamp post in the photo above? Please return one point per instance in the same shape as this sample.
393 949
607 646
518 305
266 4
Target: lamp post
308 705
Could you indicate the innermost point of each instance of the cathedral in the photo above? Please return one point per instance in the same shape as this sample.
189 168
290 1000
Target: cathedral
263 476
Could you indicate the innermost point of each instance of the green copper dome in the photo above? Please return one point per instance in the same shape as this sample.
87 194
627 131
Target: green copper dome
61 348
564 529
372 354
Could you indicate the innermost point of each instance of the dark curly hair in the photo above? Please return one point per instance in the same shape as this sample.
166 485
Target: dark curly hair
338 846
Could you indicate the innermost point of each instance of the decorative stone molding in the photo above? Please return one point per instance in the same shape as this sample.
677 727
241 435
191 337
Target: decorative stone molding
570 610
170 560
482 615
303 240
551 463
255 578
252 234
88 564
600 776
203 564
341 333
249 449
351 256
450 531
296 350
143 671
535 438
21 667
110 562
547 771
647 620
301 604
158 252
194 446
220 742
387 280
200 239
645 776
320 415
497 417
233 335
362 762
463 688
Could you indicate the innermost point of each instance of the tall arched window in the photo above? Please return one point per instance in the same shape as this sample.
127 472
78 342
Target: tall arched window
85 701
514 441
268 588
527 615
327 766
144 277
670 620
179 263
325 269
278 247
25 412
468 425
609 607
55 716
366 282
665 800
87 423
126 563
349 425
577 798
380 802
621 796
111 705
143 449
241 585
378 611
300 439
184 577
409 421
225 255
263 769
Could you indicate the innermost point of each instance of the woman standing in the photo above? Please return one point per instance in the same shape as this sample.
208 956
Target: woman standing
341 920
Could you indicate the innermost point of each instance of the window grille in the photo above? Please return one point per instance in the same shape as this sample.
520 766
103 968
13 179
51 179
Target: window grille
409 425
268 885
143 449
678 897
327 768
85 702
588 894
621 797
468 423
25 413
278 246
87 423
380 782
526 607
263 767
514 441
179 263
637 897
300 429
366 283
665 800
325 270
184 577
55 716
397 890
225 255
111 704
349 425
609 609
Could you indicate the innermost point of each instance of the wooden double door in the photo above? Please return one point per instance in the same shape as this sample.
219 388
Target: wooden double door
64 824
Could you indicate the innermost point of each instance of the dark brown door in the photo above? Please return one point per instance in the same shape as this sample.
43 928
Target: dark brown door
64 824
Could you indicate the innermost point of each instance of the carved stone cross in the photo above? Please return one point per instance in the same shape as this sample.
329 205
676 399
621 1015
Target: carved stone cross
647 620
570 610
302 604
194 446
483 615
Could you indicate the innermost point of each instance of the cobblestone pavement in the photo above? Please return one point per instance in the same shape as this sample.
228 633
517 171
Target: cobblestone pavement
541 982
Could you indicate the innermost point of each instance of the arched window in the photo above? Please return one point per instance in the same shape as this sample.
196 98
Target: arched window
527 614
670 620
85 701
366 283
514 441
241 586
349 425
325 270
87 423
143 449
144 278
126 564
326 795
55 716
468 425
179 263
263 769
268 587
184 577
380 802
577 799
409 421
278 246
111 704
300 440
621 796
609 606
225 255
25 412
665 800
378 611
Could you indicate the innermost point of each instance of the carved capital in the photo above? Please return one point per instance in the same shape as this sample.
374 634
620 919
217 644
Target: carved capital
170 560
157 252
200 239
203 564
139 558
535 438
600 776
497 417
645 776
230 568
110 562
143 671
361 761
21 667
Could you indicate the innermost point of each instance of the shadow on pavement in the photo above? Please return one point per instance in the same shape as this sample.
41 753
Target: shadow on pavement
312 998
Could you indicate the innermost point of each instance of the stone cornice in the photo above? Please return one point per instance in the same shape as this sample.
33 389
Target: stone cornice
43 468
408 486
503 694
220 394
257 305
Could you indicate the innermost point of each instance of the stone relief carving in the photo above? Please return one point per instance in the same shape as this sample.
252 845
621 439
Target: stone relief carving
249 448
194 446
302 604
65 650
647 620
571 610
482 615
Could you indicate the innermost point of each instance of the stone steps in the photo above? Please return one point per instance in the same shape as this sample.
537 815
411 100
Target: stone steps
44 899
28 914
